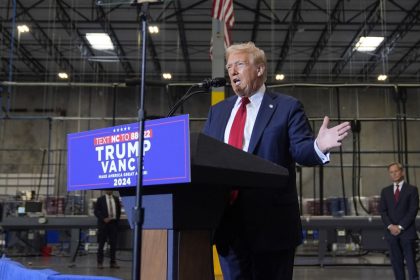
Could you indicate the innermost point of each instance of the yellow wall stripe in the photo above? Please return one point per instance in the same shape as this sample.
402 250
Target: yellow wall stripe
217 96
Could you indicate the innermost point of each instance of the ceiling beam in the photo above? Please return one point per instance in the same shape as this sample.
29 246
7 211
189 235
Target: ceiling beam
325 37
273 14
256 21
71 29
151 48
373 19
77 12
5 68
107 27
22 52
245 7
163 11
183 10
401 7
29 8
317 6
382 52
296 18
183 38
154 55
43 39
411 56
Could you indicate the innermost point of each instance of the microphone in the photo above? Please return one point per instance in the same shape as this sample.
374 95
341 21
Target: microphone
206 84
216 82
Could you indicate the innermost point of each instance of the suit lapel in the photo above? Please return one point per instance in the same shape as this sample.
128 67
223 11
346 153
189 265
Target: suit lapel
224 117
268 106
391 195
402 192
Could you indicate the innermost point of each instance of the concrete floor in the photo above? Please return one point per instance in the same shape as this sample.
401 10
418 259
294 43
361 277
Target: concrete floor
366 267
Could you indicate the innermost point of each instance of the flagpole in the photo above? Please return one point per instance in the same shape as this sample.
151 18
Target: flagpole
218 59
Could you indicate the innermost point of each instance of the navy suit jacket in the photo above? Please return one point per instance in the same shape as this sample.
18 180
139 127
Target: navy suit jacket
101 209
403 212
269 220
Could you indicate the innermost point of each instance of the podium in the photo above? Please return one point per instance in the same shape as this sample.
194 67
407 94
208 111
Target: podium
187 180
179 218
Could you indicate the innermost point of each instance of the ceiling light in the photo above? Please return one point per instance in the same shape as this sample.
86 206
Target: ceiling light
368 44
153 29
167 76
280 77
63 75
23 28
100 41
382 77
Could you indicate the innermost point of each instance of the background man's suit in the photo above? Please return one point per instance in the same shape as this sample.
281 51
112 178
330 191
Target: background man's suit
401 213
107 231
267 220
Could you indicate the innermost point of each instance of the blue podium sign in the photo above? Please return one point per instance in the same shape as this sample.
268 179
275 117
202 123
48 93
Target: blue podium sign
107 158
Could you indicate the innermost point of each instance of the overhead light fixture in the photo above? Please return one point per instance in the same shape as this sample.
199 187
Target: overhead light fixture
280 77
23 28
167 76
382 77
368 44
63 75
100 41
153 29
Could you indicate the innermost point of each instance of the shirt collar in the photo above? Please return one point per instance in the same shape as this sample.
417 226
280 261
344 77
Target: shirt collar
399 184
255 98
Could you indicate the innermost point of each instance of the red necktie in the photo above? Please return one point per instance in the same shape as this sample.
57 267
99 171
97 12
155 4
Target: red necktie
397 194
236 135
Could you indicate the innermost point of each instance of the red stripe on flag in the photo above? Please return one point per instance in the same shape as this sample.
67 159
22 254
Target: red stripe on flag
223 10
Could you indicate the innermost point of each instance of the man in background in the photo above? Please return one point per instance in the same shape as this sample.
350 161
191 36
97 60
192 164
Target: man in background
399 205
108 212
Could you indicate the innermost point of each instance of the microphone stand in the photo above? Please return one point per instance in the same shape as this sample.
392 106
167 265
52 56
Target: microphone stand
206 85
138 212
184 98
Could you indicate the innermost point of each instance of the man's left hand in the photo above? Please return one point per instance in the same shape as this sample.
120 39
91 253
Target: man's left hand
394 229
329 138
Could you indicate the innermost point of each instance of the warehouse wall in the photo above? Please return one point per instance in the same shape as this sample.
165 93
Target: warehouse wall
43 114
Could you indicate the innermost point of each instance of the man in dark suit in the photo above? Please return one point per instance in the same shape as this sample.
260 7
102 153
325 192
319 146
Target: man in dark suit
108 212
399 205
261 228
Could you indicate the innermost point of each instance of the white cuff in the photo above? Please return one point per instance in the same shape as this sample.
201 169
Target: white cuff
325 158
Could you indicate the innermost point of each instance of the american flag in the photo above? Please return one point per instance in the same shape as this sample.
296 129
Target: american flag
223 10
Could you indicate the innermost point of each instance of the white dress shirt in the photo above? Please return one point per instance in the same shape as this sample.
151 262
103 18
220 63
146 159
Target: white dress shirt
398 185
252 109
110 202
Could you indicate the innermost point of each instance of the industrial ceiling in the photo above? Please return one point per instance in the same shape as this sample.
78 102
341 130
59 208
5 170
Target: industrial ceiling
306 40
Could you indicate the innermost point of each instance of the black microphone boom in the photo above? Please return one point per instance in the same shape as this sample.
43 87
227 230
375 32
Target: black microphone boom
216 82
206 84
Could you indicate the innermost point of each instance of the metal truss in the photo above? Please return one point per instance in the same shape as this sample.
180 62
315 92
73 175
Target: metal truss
23 54
107 27
42 38
245 7
373 19
296 18
325 37
183 38
406 60
71 29
256 21
410 20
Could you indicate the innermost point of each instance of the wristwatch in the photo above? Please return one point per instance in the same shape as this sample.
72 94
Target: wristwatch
400 227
